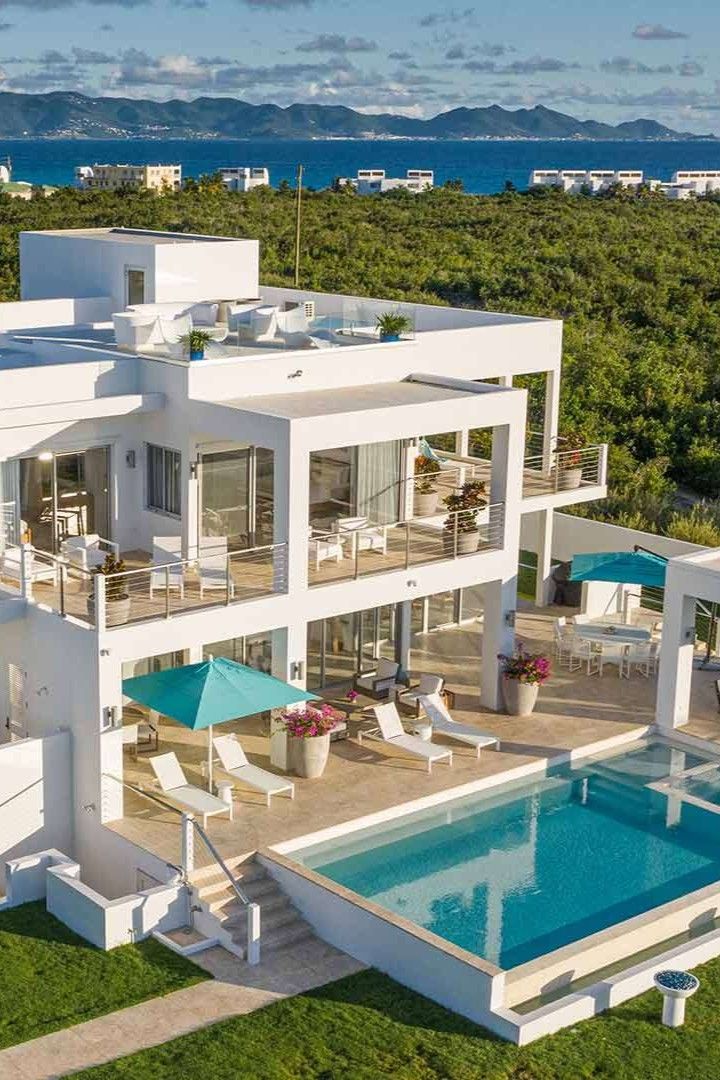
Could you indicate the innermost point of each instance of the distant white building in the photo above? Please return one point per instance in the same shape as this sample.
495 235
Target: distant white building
574 181
374 181
112 177
244 178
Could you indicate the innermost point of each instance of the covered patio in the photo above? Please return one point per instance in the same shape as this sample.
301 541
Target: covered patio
574 711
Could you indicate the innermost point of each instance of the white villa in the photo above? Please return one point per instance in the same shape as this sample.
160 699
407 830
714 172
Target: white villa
265 504
244 178
376 182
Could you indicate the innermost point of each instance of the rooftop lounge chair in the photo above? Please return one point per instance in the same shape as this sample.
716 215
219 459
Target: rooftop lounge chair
195 800
363 536
214 565
437 713
391 731
233 760
88 551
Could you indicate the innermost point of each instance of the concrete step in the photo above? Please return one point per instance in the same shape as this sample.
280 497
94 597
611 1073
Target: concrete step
207 874
269 920
291 934
231 904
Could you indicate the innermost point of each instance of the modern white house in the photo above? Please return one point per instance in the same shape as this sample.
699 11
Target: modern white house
268 506
244 178
574 181
107 177
375 181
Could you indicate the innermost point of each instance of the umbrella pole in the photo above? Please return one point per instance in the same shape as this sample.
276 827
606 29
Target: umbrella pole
210 759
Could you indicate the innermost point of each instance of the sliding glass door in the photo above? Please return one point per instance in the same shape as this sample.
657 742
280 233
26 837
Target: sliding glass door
52 497
236 496
341 646
355 481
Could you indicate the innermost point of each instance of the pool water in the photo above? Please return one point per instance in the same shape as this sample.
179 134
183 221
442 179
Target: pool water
523 870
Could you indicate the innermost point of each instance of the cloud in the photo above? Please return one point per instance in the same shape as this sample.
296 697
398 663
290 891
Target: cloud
623 65
455 52
450 15
276 5
6 26
486 48
51 5
656 32
531 66
400 56
92 56
690 68
337 43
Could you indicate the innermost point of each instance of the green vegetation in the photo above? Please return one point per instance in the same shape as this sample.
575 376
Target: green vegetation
637 281
366 1026
50 978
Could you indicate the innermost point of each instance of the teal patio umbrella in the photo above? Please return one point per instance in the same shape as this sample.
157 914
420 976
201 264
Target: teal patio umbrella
201 695
627 567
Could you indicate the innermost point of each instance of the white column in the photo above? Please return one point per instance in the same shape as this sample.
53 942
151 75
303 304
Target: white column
191 524
407 473
552 411
291 499
462 442
498 637
289 663
506 381
403 625
543 581
676 658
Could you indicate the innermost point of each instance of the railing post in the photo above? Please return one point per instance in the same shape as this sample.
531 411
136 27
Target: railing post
167 592
408 526
356 554
26 582
455 534
100 610
187 845
253 934
63 571
228 579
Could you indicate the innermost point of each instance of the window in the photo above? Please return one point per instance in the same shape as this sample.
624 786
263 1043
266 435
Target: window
163 480
135 286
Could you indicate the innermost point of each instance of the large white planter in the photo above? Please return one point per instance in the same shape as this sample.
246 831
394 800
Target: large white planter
569 479
308 757
117 612
424 505
520 697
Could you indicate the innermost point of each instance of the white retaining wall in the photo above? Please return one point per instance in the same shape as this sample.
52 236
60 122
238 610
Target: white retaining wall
35 797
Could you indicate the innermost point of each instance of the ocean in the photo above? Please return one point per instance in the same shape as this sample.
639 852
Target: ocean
483 166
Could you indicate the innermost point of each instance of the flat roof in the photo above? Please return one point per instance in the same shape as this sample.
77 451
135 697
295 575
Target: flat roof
311 403
137 236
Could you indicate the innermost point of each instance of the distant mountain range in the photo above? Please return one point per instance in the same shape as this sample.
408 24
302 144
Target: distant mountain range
69 115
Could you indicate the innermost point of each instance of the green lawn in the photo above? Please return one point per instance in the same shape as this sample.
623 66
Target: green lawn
50 978
366 1026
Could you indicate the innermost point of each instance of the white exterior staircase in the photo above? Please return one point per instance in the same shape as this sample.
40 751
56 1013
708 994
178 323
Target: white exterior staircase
219 915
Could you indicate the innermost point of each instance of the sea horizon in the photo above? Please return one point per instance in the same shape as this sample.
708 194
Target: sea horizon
484 165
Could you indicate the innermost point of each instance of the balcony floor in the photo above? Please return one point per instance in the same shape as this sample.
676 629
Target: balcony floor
574 710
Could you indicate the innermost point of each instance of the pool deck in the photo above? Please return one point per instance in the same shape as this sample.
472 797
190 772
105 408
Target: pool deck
574 711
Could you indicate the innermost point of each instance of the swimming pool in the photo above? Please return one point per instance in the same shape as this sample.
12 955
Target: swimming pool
527 868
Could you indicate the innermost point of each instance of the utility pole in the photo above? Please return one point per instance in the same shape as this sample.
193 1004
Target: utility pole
297 224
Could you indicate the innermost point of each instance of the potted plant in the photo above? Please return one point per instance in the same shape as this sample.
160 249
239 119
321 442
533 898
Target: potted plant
523 675
392 324
308 732
568 474
117 598
194 343
461 535
425 497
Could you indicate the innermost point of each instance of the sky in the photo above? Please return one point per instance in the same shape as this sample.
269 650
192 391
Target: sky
615 60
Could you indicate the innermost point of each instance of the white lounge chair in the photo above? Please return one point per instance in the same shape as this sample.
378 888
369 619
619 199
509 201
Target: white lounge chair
88 551
391 731
412 697
167 556
38 569
381 680
213 565
264 323
233 760
172 782
440 719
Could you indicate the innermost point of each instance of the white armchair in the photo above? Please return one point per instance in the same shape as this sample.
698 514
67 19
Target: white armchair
323 546
88 551
379 682
264 323
428 685
363 536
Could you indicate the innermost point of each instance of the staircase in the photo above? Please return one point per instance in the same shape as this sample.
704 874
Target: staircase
221 916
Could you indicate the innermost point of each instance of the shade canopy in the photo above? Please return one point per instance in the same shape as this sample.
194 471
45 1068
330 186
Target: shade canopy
212 692
627 567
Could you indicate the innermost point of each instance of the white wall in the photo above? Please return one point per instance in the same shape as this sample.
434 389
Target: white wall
61 312
213 270
577 536
35 796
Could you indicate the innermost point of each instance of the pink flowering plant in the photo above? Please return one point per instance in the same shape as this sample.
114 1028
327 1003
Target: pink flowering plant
351 696
311 721
525 667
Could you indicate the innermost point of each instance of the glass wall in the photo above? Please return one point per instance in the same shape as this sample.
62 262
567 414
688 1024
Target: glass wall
236 496
354 481
48 498
341 646
254 650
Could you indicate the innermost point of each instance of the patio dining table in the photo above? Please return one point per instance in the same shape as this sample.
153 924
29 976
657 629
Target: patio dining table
618 634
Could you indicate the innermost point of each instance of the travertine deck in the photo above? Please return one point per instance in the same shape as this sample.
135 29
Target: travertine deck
574 710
